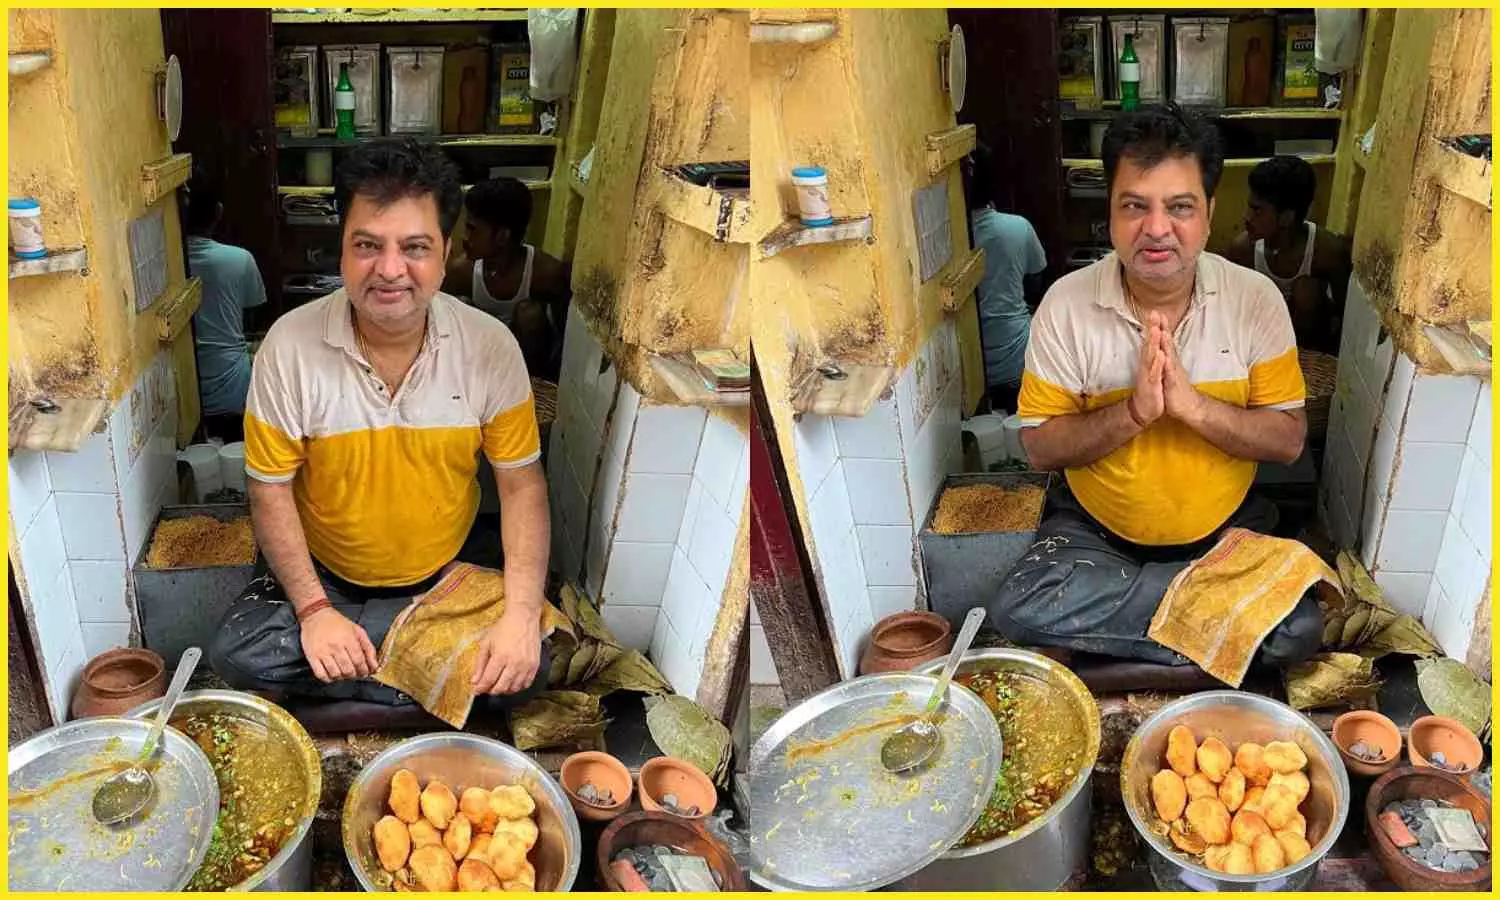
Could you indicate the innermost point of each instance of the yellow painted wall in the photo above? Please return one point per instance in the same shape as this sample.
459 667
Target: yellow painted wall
80 131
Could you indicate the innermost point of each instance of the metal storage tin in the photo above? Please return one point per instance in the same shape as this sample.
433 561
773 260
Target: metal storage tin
295 91
1150 37
1080 59
416 90
55 843
182 608
1200 60
364 75
835 819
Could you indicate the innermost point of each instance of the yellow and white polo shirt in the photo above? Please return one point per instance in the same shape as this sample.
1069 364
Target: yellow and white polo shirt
1168 485
386 487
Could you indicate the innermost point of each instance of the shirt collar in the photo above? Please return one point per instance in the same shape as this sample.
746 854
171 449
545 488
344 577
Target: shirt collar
338 324
1111 293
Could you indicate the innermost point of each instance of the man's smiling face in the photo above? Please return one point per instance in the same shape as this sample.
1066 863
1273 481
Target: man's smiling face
393 258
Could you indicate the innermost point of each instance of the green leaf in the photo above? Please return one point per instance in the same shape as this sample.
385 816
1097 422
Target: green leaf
1450 688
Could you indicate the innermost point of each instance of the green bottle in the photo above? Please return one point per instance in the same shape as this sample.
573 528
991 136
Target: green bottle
1130 76
343 105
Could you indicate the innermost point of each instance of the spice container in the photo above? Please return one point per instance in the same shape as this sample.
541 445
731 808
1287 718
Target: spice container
294 91
1200 48
364 75
811 183
1148 36
1297 74
416 90
1080 63
514 110
26 229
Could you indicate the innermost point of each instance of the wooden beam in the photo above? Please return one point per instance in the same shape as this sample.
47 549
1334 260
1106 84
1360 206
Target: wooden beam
1459 173
160 177
963 280
175 312
944 148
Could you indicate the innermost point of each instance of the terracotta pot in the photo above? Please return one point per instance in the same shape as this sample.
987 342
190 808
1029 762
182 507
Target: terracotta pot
687 835
602 771
1458 745
663 775
117 681
905 640
1370 728
1408 783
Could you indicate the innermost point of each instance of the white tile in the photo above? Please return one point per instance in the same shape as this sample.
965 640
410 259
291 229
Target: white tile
669 652
30 486
1452 623
1480 436
1345 531
1398 395
62 680
877 492
762 666
1436 600
1358 410
906 406
886 601
140 500
601 396
695 501
622 422
1411 540
817 451
100 590
667 439
662 637
637 574
1427 475
606 500
754 612
632 626
843 574
120 428
582 450
56 617
572 501
830 513
712 546
43 554
1472 501
854 634
1382 470
1342 471
1371 522
596 559
91 469
101 636
719 457
651 510
887 554
740 485
875 435
1442 407
687 600
91 526
1407 591
1460 568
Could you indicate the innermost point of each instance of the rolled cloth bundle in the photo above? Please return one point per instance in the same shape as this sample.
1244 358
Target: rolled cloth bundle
432 647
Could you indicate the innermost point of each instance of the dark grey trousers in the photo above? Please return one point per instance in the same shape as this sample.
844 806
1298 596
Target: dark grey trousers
258 647
1085 588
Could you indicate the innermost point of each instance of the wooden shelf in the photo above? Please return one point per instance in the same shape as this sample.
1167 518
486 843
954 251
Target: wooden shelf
161 177
962 281
174 313
399 16
722 215
1461 174
25 63
442 140
944 148
807 32
850 396
1265 113
793 233
1316 159
74 260
61 427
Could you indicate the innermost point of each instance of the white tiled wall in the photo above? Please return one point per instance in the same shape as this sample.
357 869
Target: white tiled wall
1406 477
79 521
647 501
762 666
869 483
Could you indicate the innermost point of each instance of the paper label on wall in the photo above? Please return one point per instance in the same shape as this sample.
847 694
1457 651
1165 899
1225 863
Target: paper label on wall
934 229
147 237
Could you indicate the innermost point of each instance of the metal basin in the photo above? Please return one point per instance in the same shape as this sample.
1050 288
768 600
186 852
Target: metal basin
1046 852
462 760
291 868
1235 718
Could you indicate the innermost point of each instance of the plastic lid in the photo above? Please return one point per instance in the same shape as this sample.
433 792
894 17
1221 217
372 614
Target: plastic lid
24 203
808 172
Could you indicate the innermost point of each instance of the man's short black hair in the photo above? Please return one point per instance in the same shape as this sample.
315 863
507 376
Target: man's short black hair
981 174
201 204
1154 134
395 168
501 203
1285 182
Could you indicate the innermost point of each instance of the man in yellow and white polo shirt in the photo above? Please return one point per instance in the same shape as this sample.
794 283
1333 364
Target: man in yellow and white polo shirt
1156 379
366 415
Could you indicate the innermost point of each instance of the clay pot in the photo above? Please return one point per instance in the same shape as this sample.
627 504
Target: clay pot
663 775
905 640
646 828
1459 747
1407 783
1370 728
602 771
117 681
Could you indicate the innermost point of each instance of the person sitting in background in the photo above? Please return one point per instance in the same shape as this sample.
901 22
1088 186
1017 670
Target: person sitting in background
509 278
231 285
1309 265
1010 289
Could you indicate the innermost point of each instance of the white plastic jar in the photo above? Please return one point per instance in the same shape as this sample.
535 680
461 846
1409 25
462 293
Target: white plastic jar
26 229
811 183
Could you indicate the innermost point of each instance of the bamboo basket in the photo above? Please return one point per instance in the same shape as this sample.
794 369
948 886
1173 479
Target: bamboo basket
1320 371
544 396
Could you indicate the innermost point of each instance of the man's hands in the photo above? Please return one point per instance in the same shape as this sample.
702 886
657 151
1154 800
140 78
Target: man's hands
336 648
509 651
1161 384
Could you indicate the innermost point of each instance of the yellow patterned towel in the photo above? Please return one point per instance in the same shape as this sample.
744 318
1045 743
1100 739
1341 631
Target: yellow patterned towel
1217 611
432 647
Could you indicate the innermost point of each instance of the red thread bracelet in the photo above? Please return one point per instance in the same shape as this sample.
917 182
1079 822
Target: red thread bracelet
314 607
